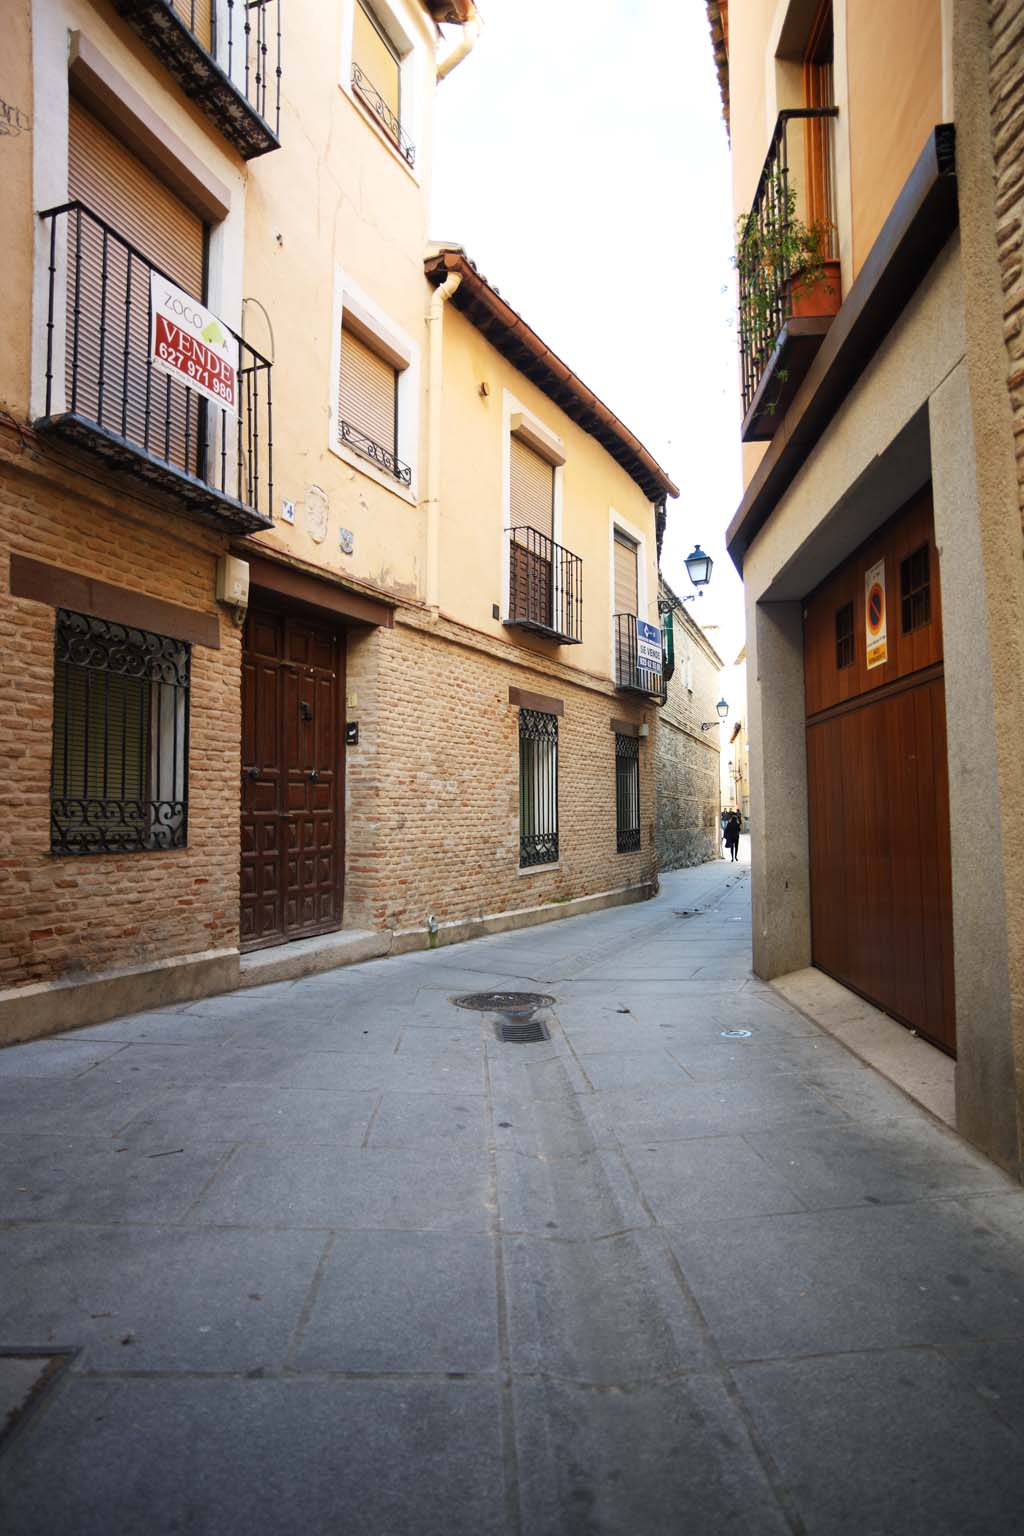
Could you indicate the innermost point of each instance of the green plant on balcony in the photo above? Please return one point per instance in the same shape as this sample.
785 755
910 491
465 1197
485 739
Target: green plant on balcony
778 256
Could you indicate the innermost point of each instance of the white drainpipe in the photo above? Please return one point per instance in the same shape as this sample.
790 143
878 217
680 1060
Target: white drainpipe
467 42
435 349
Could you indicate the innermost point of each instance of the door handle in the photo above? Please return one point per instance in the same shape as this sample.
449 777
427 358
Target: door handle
252 773
312 775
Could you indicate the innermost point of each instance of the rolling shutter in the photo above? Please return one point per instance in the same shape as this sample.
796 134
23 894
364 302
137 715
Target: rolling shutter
626 596
368 392
531 489
375 56
105 175
107 369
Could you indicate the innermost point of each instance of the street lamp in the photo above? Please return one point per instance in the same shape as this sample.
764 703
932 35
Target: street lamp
698 567
721 709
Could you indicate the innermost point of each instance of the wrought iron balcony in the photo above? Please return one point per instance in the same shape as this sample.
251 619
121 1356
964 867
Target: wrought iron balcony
545 586
105 393
356 439
630 674
368 92
225 55
788 267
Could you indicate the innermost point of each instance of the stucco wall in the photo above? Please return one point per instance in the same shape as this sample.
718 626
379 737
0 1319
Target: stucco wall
474 472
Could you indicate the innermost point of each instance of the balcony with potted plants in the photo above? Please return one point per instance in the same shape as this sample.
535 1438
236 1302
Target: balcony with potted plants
787 261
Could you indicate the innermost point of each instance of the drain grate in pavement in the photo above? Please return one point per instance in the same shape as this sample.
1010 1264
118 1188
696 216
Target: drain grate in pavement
522 1034
504 1002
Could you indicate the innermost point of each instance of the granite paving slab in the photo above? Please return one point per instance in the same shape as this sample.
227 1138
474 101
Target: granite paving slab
220 1457
670 1458
870 1444
233 1112
868 1277
691 1181
78 1178
381 1187
400 1302
603 1312
157 1298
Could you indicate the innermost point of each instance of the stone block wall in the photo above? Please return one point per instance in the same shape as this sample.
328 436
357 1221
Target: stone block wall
432 795
68 916
688 759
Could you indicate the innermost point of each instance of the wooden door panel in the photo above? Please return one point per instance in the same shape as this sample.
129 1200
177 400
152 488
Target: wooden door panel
291 766
881 907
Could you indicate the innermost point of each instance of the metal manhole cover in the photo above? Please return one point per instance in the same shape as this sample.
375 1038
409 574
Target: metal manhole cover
522 1034
504 1002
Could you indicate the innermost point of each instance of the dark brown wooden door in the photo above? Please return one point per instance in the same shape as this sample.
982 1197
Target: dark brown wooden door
292 682
878 797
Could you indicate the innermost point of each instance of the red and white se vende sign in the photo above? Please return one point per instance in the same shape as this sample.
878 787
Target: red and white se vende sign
191 345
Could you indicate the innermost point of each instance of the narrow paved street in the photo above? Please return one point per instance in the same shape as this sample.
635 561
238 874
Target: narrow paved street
334 1259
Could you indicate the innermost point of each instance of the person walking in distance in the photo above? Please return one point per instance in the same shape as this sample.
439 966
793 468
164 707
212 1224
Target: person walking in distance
732 836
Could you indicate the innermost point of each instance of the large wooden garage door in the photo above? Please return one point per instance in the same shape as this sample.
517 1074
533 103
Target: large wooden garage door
292 691
878 802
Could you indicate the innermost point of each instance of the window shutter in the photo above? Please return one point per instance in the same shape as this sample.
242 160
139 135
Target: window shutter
531 489
626 596
376 57
368 392
105 175
116 186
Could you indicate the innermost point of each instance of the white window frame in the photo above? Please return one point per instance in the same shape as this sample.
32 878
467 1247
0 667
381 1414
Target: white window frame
401 351
639 538
407 34
517 420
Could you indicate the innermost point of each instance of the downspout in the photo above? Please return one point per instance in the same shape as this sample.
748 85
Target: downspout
471 30
435 352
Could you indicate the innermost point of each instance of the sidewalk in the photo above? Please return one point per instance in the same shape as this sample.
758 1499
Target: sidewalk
336 1260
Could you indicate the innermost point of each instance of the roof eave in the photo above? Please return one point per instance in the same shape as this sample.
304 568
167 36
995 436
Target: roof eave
509 333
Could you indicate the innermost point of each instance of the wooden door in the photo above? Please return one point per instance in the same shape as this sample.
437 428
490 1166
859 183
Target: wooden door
878 797
291 834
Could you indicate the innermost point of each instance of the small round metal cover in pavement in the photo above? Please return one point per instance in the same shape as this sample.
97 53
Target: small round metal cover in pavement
736 1034
504 1002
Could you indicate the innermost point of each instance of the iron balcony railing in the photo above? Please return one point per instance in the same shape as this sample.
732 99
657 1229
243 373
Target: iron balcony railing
355 438
629 674
365 88
545 586
226 55
772 248
104 394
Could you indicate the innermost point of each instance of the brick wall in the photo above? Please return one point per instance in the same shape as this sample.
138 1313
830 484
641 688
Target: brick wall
432 796
1006 18
688 761
62 917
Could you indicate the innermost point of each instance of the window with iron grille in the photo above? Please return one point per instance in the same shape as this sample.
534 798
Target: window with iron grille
844 636
915 590
538 787
627 793
119 781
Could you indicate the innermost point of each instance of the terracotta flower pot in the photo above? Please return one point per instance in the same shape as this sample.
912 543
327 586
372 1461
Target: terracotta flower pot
820 298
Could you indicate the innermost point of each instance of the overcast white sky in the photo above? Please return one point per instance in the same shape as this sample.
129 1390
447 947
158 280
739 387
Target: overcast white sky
581 159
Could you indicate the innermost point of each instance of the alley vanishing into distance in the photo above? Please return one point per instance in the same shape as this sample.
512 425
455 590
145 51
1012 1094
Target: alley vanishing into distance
333 1258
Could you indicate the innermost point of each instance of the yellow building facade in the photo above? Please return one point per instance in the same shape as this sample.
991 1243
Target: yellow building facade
325 581
876 182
